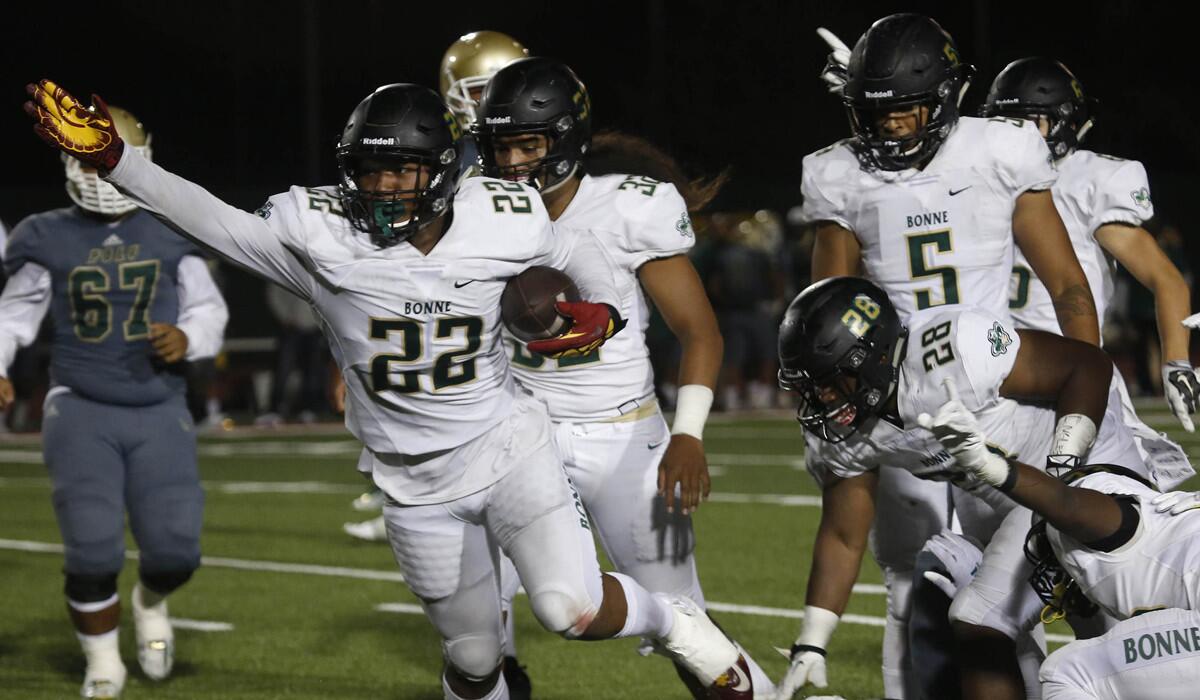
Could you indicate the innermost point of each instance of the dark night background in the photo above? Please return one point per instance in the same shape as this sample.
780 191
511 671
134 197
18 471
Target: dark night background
246 98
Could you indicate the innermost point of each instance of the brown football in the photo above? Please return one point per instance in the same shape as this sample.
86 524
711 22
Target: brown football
527 305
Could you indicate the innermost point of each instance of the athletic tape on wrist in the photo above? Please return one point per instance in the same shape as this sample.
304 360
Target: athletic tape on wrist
692 404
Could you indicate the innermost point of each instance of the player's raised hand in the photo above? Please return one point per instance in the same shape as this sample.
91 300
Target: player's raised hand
686 465
834 73
591 325
88 133
1182 387
958 430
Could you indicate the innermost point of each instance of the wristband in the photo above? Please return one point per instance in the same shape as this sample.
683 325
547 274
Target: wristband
691 410
1073 435
817 628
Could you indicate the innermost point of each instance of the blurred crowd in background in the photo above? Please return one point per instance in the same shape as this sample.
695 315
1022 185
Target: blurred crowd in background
275 367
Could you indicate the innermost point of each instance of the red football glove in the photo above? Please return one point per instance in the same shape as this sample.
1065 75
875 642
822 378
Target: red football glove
592 324
88 133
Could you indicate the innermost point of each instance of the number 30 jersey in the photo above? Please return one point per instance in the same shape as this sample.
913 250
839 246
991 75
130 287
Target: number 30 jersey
417 337
636 220
941 235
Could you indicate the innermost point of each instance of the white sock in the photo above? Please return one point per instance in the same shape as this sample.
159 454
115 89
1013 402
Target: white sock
150 614
647 615
102 651
500 692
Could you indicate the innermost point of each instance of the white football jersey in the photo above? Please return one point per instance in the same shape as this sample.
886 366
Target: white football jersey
1158 568
417 337
1092 190
635 220
977 350
941 235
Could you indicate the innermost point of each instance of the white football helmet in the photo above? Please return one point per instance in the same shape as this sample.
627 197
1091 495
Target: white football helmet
468 64
86 188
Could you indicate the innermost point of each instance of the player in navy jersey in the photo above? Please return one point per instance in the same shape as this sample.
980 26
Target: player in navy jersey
131 302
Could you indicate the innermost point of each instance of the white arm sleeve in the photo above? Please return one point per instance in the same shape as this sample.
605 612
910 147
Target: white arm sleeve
23 305
239 236
202 310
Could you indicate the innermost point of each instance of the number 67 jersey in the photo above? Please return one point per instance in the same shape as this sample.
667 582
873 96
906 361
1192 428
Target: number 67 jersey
417 337
941 235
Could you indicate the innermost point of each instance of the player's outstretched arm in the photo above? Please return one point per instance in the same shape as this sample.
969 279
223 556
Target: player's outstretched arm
848 507
1042 237
1084 514
89 135
1138 252
678 293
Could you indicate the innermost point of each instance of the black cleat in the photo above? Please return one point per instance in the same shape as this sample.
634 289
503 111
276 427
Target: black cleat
519 685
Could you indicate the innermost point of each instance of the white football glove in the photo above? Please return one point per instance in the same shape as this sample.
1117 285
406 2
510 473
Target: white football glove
834 73
1183 391
959 432
807 666
1192 321
959 555
1176 502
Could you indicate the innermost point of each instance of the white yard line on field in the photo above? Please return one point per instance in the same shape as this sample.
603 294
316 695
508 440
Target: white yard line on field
410 608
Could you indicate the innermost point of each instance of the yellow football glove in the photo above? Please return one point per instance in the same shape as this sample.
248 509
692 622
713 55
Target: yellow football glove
88 133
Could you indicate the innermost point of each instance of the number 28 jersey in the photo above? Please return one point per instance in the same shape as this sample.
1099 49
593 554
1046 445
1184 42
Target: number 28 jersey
941 235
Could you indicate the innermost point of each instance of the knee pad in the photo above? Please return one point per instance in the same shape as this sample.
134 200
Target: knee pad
562 613
86 588
165 582
473 656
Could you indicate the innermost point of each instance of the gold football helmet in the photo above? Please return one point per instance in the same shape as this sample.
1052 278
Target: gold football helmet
86 188
468 64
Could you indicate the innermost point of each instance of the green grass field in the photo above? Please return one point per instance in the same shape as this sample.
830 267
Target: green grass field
287 606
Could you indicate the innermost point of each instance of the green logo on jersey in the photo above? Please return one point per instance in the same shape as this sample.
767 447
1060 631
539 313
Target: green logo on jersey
684 226
1141 198
999 338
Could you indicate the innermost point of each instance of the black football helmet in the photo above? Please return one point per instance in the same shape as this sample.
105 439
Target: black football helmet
840 346
904 60
398 125
1056 588
1037 87
536 96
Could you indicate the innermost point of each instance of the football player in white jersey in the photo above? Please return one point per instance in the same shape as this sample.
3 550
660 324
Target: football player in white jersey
535 128
928 205
863 379
465 69
406 274
1103 201
1103 537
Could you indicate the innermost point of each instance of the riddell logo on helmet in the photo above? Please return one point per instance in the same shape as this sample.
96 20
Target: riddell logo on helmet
877 95
499 120
381 141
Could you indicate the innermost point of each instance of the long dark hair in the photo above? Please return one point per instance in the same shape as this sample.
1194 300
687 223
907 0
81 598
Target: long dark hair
614 152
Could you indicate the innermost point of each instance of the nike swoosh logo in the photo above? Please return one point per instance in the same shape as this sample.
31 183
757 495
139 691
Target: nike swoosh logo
654 445
954 192
460 285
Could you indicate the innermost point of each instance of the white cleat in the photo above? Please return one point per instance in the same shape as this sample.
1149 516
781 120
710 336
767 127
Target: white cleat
369 500
103 683
155 638
699 646
374 530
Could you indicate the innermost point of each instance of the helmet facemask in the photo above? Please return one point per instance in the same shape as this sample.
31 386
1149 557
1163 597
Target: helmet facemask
1056 588
395 215
935 115
545 173
459 97
88 190
836 404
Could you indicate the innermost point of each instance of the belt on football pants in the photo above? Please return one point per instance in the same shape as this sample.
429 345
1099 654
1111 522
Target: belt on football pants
633 410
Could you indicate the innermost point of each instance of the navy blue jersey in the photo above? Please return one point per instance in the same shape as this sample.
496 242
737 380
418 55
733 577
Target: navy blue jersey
109 282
